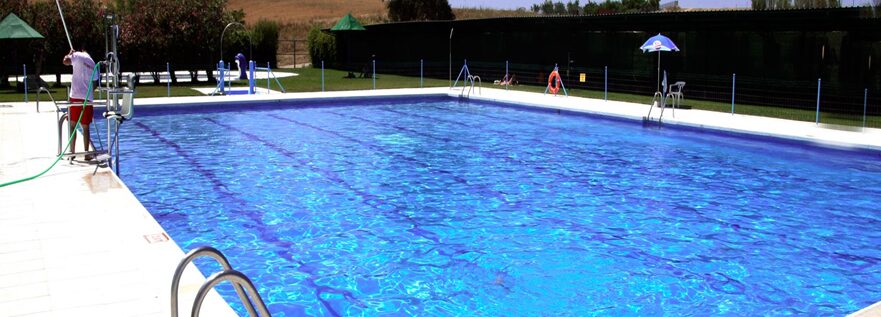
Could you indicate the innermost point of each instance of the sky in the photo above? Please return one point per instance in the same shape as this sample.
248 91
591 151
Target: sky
514 4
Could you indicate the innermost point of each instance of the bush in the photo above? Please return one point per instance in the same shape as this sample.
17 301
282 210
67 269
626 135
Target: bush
265 37
322 47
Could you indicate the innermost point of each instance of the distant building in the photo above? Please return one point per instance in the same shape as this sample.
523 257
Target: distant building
670 6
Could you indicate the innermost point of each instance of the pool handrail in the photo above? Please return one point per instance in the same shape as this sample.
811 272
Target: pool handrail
270 75
207 251
239 280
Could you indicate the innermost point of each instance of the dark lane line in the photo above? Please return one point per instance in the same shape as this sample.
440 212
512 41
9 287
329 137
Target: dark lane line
369 200
480 189
241 207
447 140
532 123
568 148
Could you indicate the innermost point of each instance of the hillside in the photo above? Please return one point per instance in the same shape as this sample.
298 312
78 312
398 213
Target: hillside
286 11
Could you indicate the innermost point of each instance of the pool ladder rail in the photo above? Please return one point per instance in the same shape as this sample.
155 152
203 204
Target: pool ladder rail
61 118
467 82
658 100
241 283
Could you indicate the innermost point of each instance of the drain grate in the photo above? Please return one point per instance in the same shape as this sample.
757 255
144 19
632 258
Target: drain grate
5 106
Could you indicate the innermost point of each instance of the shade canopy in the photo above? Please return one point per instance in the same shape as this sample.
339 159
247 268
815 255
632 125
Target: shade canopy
348 23
12 27
658 43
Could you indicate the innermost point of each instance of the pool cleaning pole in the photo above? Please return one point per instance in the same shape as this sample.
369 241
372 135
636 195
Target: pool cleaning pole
64 24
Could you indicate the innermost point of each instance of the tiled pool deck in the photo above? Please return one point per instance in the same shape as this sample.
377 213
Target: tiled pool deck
74 244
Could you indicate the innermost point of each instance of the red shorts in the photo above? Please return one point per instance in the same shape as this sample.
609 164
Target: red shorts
73 112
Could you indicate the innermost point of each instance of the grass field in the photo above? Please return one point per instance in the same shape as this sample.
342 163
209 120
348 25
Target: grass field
309 80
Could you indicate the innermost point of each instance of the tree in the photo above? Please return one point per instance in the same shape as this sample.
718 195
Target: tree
798 4
322 47
573 8
6 7
185 32
419 10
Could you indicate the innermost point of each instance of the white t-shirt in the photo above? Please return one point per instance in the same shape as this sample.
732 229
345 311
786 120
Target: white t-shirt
82 71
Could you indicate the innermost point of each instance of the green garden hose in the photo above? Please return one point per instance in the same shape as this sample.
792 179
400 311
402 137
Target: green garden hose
69 139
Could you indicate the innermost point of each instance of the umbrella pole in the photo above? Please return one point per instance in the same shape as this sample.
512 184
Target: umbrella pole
659 71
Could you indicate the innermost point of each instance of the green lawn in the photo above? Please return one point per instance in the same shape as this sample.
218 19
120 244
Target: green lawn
309 80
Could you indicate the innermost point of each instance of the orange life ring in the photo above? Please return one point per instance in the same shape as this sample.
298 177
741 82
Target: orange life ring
554 82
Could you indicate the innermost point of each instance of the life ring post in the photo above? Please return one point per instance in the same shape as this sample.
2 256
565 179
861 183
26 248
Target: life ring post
555 82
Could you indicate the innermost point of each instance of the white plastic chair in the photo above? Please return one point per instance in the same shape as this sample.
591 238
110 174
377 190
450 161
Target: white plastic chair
675 93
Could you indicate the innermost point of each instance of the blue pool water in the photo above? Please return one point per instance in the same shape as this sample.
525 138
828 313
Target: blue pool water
432 207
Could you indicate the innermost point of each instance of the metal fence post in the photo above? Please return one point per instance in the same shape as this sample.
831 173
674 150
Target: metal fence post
374 74
221 71
252 81
168 85
819 80
25 80
421 84
606 83
865 99
733 84
507 76
322 75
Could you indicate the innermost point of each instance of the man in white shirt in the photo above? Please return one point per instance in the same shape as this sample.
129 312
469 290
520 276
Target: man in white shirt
83 65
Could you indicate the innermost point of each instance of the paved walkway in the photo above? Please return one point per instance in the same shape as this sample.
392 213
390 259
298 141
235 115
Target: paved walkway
77 244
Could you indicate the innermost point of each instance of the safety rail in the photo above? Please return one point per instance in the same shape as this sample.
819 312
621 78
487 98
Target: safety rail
465 81
46 90
239 282
657 100
61 118
270 75
479 86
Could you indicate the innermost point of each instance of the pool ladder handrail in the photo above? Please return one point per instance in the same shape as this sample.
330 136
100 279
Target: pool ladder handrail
466 76
480 85
240 282
662 102
61 118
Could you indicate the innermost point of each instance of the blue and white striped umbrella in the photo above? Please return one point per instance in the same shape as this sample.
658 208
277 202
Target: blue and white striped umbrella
659 43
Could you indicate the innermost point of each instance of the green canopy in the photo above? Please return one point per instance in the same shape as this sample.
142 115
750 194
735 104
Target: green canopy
13 27
348 23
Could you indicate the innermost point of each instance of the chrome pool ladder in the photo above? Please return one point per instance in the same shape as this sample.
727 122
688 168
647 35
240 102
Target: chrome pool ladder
467 82
241 283
657 100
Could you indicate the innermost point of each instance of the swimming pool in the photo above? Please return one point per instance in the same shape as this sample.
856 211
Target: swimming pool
430 206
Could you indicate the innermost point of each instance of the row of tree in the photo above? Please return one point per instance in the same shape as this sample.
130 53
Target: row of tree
574 8
185 33
549 7
794 4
